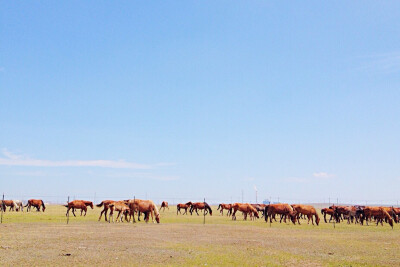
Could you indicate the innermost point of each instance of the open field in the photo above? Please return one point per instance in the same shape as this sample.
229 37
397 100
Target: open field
45 239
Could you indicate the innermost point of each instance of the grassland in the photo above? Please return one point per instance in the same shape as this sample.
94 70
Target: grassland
44 239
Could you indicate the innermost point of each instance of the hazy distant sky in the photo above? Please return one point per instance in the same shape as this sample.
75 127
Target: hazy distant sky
192 99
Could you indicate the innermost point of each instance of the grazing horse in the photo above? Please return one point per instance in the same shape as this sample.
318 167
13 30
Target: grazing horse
2 206
379 213
185 207
282 209
19 206
37 203
78 204
164 205
147 207
122 209
392 213
223 207
105 204
307 210
132 203
9 203
246 208
201 206
328 211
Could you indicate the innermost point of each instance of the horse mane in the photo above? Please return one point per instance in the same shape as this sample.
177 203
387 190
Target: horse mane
43 204
155 208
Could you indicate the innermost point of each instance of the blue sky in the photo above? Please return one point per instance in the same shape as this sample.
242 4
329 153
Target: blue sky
192 99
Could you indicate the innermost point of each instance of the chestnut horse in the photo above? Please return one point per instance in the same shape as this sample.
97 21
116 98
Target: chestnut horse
164 205
37 203
185 207
122 209
201 206
246 208
281 209
105 204
392 213
378 213
307 210
78 204
223 207
328 211
147 207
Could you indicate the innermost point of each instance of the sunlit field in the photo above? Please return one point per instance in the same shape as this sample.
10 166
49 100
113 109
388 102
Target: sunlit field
38 238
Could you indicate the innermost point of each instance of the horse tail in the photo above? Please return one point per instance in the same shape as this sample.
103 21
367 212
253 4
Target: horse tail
99 205
219 206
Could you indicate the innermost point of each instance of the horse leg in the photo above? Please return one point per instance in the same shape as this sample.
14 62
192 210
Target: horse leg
66 214
73 212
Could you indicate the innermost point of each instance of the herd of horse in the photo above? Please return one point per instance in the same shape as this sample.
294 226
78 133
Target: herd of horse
127 209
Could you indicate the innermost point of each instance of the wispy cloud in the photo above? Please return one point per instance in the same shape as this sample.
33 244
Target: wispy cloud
385 62
12 159
323 175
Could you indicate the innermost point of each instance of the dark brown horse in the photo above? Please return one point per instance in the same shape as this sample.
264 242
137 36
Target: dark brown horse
78 204
105 204
8 203
185 207
223 207
328 211
200 206
37 203
164 205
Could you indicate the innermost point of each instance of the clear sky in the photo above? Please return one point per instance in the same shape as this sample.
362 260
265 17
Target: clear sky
192 99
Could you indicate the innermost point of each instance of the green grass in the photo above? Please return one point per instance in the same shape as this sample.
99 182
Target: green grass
40 238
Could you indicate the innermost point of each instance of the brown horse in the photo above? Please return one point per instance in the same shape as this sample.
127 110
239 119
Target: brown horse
246 208
37 203
328 211
223 207
2 206
164 205
78 204
87 203
392 212
378 213
8 203
185 207
122 209
282 209
200 206
147 207
307 210
105 204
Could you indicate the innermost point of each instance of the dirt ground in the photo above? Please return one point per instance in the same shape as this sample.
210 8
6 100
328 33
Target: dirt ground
184 240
